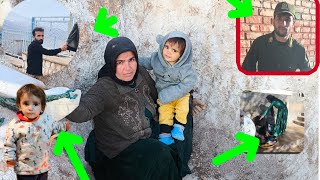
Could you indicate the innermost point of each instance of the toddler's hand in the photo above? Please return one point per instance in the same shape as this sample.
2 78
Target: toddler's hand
198 106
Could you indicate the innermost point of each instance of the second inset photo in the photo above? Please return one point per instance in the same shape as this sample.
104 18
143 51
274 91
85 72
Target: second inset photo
276 118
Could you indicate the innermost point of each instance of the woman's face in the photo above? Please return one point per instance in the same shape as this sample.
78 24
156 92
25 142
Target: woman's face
126 66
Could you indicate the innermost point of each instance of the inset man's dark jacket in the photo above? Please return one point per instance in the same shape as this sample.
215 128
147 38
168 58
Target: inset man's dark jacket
272 55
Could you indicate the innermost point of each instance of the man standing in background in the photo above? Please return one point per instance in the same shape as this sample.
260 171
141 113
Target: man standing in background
35 52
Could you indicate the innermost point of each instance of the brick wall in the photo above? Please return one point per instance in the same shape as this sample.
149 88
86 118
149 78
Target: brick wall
262 19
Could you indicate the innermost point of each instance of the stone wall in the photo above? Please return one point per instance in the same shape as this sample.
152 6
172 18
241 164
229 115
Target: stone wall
50 64
220 84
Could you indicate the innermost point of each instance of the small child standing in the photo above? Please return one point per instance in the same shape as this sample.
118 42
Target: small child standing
26 145
175 78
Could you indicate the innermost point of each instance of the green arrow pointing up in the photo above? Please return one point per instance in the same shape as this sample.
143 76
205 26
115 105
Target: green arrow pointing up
65 141
243 9
250 144
103 24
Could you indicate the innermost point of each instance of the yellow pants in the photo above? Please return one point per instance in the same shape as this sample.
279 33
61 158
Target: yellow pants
179 106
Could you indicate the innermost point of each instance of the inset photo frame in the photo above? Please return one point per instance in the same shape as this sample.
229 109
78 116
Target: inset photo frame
277 119
280 38
39 40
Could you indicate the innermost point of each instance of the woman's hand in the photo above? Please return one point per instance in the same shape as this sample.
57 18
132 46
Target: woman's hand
198 106
53 137
267 134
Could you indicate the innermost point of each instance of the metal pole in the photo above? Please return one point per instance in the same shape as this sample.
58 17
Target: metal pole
32 26
54 42
70 23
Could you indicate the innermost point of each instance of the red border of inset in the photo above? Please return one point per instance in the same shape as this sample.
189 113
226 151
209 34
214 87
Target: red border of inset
317 53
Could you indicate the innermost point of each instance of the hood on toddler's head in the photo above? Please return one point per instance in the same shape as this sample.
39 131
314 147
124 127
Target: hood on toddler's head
187 54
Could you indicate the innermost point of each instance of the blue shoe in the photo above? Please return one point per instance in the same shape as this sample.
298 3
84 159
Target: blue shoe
166 138
177 132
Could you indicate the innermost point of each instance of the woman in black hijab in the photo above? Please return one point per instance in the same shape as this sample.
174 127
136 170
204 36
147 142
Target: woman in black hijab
122 106
282 116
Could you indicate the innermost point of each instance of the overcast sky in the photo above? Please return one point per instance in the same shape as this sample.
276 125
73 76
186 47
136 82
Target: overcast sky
30 8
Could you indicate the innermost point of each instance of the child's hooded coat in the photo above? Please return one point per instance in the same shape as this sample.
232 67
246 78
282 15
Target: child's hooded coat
172 81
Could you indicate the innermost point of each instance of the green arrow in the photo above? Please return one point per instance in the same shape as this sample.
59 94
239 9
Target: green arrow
250 144
243 9
65 141
103 24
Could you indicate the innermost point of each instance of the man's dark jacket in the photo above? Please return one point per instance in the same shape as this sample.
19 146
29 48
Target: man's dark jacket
34 60
272 55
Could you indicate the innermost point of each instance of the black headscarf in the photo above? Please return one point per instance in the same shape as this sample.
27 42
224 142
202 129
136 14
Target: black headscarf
114 48
271 98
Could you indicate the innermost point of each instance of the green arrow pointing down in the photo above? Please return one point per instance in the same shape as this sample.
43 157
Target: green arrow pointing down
103 24
65 141
243 9
250 144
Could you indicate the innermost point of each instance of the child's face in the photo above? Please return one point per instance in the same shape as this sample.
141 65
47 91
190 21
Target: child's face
30 105
171 52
